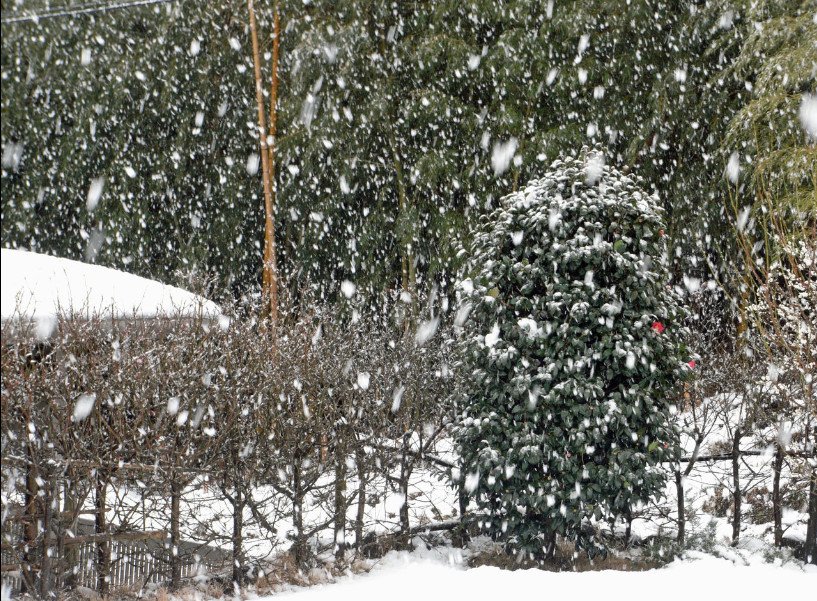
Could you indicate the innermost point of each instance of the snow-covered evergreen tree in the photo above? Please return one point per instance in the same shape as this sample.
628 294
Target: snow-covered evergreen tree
572 353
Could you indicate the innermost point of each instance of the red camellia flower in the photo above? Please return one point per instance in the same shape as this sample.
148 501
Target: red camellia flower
658 327
691 364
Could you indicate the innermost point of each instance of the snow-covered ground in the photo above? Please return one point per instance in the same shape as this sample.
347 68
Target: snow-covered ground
37 287
442 574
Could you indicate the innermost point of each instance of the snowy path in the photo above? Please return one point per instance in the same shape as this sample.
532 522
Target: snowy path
428 577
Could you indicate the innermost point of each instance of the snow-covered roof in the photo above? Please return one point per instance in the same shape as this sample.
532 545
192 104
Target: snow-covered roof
34 287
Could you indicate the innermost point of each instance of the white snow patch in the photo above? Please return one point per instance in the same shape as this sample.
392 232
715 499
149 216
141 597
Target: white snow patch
252 163
733 167
471 482
443 574
348 288
462 315
426 330
554 218
526 323
808 114
582 75
594 168
12 155
94 193
45 326
363 379
84 406
35 286
692 284
743 218
584 42
397 398
502 155
493 336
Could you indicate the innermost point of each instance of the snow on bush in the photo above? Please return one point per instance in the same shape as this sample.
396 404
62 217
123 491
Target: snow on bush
572 355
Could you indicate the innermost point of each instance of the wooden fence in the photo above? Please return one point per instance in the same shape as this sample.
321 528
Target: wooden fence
137 559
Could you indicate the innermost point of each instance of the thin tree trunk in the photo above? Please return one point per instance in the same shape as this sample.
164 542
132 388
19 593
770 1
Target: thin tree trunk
340 499
460 536
736 493
361 496
550 543
45 563
238 537
628 528
70 553
405 526
299 546
175 536
30 530
777 508
679 488
268 273
103 547
811 529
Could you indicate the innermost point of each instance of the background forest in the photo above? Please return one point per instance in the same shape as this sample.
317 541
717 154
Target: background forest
399 124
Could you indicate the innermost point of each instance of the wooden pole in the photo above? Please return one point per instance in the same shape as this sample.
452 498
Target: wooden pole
268 274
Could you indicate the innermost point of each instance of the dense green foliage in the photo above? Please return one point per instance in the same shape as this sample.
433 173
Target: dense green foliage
573 350
155 105
393 119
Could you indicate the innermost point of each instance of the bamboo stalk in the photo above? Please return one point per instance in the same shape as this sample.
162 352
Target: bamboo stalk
271 252
267 272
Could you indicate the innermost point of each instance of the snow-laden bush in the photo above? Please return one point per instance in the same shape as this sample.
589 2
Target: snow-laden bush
572 356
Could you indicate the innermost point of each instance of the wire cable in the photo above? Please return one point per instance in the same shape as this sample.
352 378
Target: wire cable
82 9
